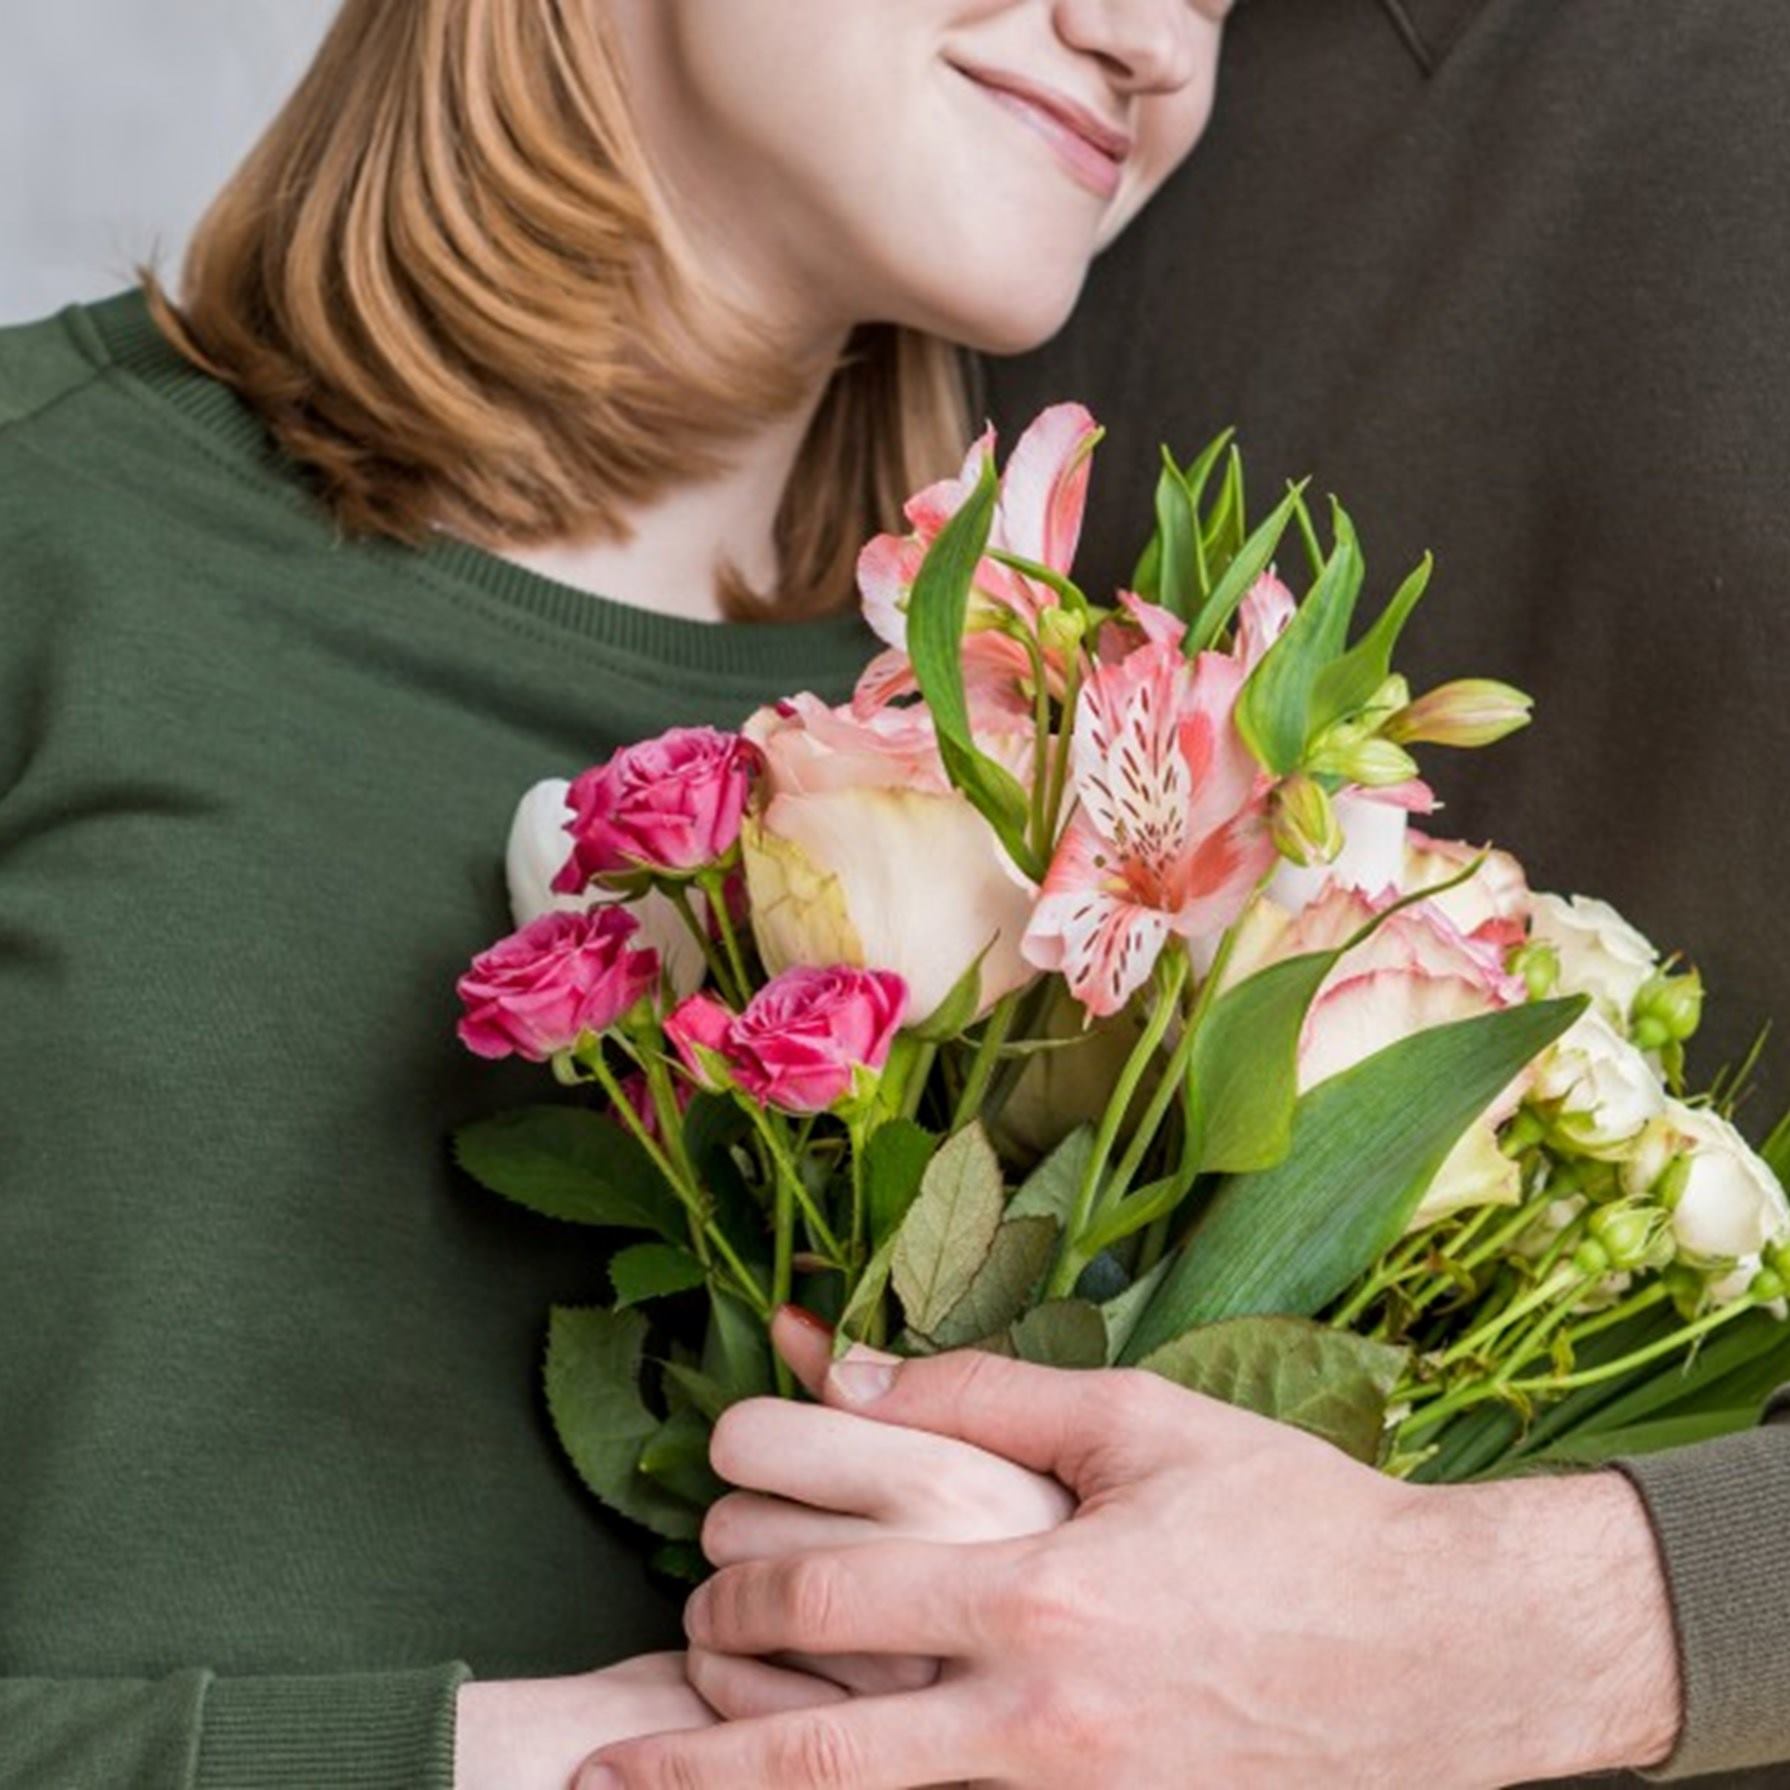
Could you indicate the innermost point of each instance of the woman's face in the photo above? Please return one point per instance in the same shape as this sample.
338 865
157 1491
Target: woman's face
952 165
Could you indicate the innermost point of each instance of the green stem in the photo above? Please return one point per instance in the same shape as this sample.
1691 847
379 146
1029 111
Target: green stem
704 1230
1059 769
1087 1202
789 1175
1546 1293
679 897
783 1274
1040 819
713 884
913 1085
985 1060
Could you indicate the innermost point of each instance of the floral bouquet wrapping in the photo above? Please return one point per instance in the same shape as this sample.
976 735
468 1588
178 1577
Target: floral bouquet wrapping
1085 990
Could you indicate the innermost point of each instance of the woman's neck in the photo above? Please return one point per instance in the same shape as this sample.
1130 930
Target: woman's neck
677 546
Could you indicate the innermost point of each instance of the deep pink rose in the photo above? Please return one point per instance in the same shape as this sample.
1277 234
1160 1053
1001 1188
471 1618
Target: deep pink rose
701 1020
802 1038
673 804
538 990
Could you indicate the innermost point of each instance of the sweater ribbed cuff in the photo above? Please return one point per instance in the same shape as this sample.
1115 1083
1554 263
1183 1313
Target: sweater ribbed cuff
1721 1513
358 1731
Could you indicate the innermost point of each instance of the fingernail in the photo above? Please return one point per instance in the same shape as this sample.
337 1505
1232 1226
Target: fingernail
599 1777
694 1612
803 1315
861 1378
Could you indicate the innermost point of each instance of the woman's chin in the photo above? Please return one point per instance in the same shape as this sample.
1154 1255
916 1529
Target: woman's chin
1009 321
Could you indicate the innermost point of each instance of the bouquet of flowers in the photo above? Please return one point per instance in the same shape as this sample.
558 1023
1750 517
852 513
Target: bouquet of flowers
1084 989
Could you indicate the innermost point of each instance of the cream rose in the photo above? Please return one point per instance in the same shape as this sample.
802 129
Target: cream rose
858 851
1600 954
1607 1091
1732 1205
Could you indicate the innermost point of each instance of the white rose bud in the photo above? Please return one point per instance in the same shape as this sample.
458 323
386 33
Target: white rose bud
1607 1091
1600 953
1732 1207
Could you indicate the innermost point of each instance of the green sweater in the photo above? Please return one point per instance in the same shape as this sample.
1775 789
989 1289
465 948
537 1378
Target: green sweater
275 1474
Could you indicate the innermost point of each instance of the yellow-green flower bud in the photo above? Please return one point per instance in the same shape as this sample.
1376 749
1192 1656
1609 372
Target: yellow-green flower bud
1768 1286
1668 1010
1539 966
1631 1235
1370 762
1302 822
1776 1256
1060 630
1668 1190
1688 1290
1591 1258
1473 711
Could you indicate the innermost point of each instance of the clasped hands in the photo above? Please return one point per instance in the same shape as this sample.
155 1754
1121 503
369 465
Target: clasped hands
969 1569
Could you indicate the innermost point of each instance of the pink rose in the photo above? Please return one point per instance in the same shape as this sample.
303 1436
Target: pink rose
802 1039
1493 904
671 804
541 989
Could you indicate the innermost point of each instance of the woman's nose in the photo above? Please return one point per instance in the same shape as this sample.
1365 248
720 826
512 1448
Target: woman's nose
1147 46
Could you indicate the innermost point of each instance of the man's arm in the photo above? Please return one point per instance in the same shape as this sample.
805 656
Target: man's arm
1721 1517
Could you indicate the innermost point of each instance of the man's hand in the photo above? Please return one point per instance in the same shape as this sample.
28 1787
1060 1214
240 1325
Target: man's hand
1233 1603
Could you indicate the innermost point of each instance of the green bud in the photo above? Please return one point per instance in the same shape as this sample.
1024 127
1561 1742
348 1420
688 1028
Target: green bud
1061 630
1370 762
1649 1034
1768 1286
1538 965
1630 1234
1776 1256
1473 711
1669 1006
1591 1258
1392 696
1687 1289
1523 1132
1302 822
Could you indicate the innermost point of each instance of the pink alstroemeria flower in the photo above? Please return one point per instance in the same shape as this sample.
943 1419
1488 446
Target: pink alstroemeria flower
1169 836
1044 492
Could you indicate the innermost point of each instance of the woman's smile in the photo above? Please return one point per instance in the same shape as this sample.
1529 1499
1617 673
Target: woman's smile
1092 151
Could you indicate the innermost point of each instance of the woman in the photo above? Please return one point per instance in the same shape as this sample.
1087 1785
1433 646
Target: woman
538 346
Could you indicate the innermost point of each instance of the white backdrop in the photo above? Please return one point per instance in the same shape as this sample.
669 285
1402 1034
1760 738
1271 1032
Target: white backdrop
118 119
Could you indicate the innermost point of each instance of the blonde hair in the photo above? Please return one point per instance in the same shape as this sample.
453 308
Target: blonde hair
449 282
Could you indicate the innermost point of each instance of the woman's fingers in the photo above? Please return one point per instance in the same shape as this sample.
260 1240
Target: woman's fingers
911 1483
868 1674
939 1736
751 1526
739 1689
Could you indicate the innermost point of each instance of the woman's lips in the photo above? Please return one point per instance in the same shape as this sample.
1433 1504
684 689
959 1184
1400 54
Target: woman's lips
1091 152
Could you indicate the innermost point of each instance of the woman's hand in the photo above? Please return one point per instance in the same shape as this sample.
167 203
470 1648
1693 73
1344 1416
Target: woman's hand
815 1477
534 1733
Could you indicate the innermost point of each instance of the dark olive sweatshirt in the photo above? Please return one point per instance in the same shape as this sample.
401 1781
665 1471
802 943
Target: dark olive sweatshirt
1512 278
274 1472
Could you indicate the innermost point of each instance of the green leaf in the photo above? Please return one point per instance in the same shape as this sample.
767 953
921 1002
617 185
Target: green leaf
1595 1447
1062 1333
569 1163
592 1379
676 1456
894 1162
1225 530
937 612
1050 1190
680 1560
1122 1313
736 1352
705 1393
652 1270
1245 1067
856 1321
1180 567
1366 1145
1251 562
1274 709
1349 683
1329 1382
1016 1262
949 1229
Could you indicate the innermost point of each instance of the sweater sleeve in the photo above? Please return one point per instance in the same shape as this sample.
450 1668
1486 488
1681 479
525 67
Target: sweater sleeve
194 1730
1721 1514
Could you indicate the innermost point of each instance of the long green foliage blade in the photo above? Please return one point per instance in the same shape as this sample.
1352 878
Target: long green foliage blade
1366 1144
1251 562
